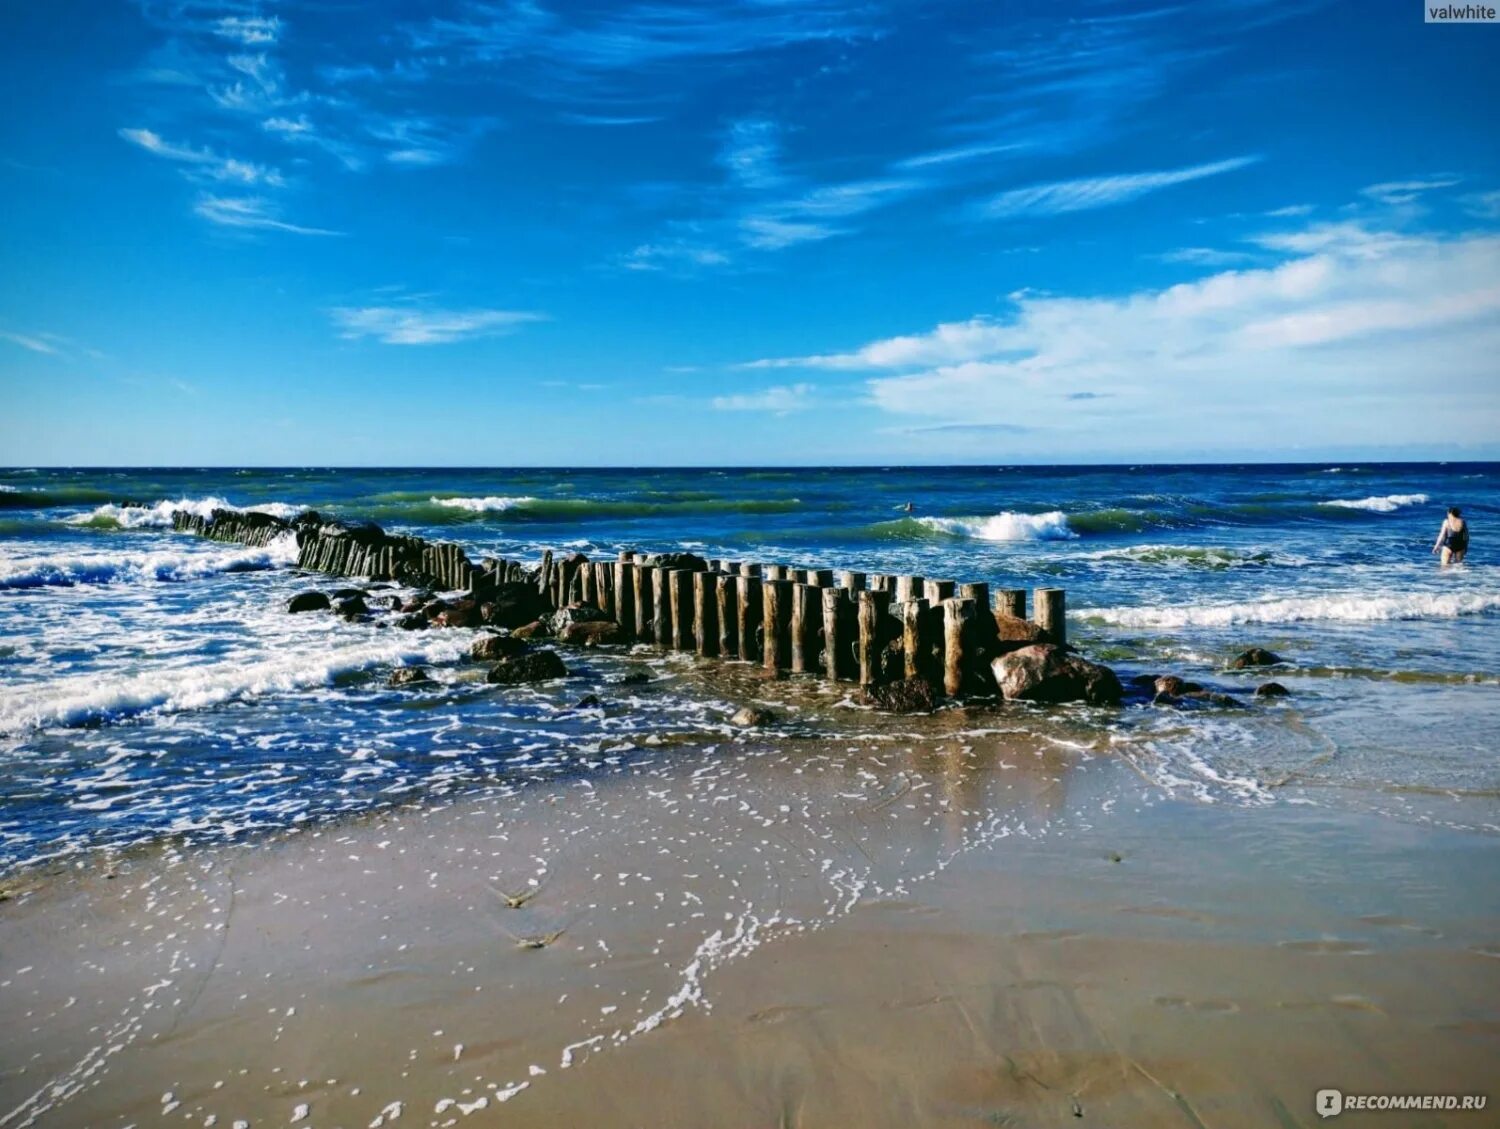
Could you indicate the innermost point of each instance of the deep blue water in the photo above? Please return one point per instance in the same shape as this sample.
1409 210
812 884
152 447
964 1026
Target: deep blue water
150 683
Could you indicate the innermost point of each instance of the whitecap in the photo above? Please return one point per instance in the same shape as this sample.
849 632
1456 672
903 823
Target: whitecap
1379 504
490 504
1005 526
63 570
159 516
1349 607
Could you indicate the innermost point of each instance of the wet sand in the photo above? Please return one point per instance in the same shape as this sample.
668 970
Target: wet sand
952 921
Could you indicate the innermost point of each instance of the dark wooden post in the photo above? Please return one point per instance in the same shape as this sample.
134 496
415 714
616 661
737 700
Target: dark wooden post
1051 614
909 588
680 587
645 601
726 611
807 616
748 569
958 637
604 583
565 571
820 577
872 607
587 594
748 613
936 591
625 594
836 609
544 574
776 621
1013 602
886 584
773 572
851 581
915 639
705 614
663 607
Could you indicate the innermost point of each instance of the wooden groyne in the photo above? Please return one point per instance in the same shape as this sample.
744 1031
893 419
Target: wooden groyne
846 626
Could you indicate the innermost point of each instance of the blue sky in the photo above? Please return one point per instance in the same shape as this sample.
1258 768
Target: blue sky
746 231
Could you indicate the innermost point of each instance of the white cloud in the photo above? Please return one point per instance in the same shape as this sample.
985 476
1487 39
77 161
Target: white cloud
1085 193
779 399
409 325
37 343
251 212
205 161
1357 330
1394 192
250 30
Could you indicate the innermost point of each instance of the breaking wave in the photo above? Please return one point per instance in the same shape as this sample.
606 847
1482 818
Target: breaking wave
63 570
1006 526
1347 607
1381 504
159 516
491 504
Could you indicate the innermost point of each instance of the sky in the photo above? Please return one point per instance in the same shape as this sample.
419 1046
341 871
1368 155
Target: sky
742 232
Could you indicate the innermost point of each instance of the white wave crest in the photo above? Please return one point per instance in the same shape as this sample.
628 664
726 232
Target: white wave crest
92 698
159 516
138 566
1006 526
1348 607
491 504
1381 504
5 488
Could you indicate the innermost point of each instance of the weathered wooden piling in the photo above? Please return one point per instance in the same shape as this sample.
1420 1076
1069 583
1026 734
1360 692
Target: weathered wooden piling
776 621
1012 601
807 620
1051 614
625 592
936 591
662 608
958 643
589 581
726 612
819 577
872 607
837 614
705 614
680 608
909 588
851 581
916 638
748 612
773 572
643 582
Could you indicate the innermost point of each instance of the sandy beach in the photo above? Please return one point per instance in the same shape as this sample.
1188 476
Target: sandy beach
977 918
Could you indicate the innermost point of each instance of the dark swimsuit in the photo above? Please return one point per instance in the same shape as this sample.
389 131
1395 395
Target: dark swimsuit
1457 540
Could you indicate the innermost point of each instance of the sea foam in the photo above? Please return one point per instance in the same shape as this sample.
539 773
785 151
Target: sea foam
1379 504
1348 607
63 570
1005 526
159 516
490 504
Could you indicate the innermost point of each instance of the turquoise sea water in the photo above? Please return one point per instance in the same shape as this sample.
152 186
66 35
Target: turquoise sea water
151 684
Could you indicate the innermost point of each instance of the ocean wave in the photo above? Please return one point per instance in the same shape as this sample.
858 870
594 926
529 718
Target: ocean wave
490 504
1193 556
92 700
159 516
64 570
1380 504
1348 607
437 510
1005 526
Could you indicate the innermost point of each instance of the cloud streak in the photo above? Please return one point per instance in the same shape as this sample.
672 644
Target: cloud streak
408 325
253 213
1086 193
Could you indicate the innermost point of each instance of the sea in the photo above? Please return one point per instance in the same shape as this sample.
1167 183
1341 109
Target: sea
154 689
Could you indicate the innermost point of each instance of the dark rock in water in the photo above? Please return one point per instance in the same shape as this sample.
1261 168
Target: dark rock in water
1255 656
533 630
1048 674
351 606
1142 681
514 605
1170 685
598 633
492 647
434 608
1211 698
350 594
890 662
564 618
459 613
587 702
394 603
1162 698
1272 690
534 666
308 602
690 561
751 717
409 676
910 695
414 621
635 676
417 603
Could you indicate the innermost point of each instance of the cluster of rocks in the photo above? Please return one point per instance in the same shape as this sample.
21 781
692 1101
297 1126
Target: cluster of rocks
1181 693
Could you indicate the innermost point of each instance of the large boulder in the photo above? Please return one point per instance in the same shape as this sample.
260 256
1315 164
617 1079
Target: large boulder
752 717
409 676
1271 690
1049 674
308 602
459 613
564 618
534 666
690 561
1255 656
1013 629
597 633
513 605
910 695
351 607
492 647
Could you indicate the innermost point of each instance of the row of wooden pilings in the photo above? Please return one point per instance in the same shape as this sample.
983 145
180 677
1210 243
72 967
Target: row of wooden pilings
813 621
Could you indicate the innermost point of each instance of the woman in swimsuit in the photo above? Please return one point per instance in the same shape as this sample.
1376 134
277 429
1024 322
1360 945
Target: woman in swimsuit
1453 537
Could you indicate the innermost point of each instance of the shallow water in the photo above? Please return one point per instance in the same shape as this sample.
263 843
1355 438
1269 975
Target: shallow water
151 685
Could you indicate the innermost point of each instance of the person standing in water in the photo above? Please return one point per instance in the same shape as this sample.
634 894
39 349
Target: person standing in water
1453 537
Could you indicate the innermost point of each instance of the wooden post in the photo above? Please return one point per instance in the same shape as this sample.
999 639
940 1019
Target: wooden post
958 639
1051 614
820 577
590 593
680 586
726 612
909 588
915 639
604 582
748 569
644 594
851 581
625 594
747 614
807 617
872 607
776 621
1013 602
731 567
773 572
836 616
886 584
663 608
980 594
565 570
936 591
705 617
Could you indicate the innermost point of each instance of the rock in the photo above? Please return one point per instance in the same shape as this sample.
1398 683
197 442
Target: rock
536 629
690 561
492 647
415 621
1272 690
635 676
1046 673
417 603
587 702
350 594
534 666
1170 685
394 603
513 605
910 695
351 606
595 634
1255 656
1211 698
751 717
1143 681
459 613
1014 629
1164 699
564 618
409 676
308 602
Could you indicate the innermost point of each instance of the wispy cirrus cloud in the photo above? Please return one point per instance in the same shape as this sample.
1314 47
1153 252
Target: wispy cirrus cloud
249 30
1396 192
1085 193
779 399
205 162
425 325
250 213
44 343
